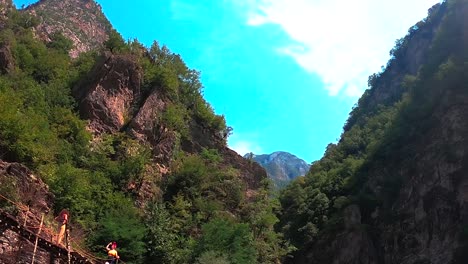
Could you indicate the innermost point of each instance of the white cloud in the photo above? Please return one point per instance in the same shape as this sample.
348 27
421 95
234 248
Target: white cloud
244 147
342 41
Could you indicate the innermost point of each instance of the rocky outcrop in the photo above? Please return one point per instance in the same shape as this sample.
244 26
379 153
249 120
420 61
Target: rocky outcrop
431 209
351 245
426 222
111 100
107 97
147 127
417 207
408 59
25 188
82 21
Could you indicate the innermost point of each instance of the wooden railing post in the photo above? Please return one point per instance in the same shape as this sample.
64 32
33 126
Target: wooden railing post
37 239
67 240
26 216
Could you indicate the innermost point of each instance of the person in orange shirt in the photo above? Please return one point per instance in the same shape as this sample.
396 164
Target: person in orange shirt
62 219
112 252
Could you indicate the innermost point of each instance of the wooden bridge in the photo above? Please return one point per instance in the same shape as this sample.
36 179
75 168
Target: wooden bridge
8 222
41 236
25 237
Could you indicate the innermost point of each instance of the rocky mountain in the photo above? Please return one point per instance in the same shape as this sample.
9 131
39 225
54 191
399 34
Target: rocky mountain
111 99
123 138
280 166
393 190
81 21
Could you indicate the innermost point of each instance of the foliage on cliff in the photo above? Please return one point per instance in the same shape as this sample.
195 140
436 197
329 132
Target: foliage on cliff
202 196
381 132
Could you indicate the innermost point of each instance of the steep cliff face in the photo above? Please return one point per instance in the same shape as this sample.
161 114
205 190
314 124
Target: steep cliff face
107 96
82 21
407 57
431 208
426 221
143 142
110 98
415 184
26 188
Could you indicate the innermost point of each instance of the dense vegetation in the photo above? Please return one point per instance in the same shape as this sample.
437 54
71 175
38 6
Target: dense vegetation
377 135
202 215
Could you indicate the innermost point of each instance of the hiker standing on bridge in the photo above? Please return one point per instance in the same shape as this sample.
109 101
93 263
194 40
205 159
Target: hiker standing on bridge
62 219
112 253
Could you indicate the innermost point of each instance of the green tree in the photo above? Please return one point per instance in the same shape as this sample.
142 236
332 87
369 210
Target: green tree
115 43
121 223
164 243
227 237
212 257
60 43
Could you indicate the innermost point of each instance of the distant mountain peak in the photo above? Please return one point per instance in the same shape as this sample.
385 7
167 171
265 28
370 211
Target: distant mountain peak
281 166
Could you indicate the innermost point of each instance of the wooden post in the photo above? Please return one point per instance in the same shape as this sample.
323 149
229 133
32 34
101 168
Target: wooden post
26 216
24 225
67 240
37 239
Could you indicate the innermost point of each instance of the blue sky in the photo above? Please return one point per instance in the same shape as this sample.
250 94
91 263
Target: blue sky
284 73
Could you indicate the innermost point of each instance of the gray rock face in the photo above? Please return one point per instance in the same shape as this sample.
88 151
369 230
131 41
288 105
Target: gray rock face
422 220
108 95
408 62
28 188
430 213
111 100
